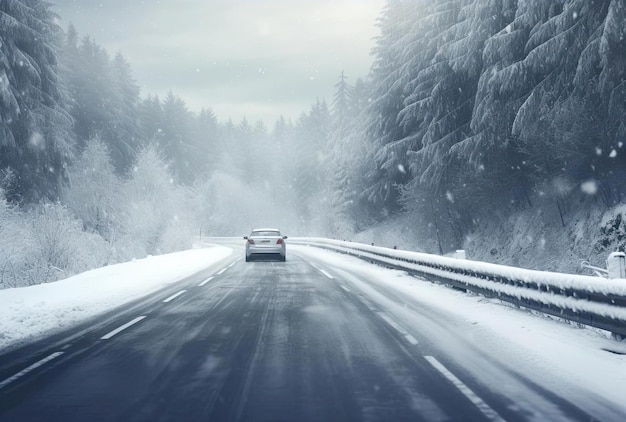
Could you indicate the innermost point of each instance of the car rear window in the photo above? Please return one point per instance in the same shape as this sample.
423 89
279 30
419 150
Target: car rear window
265 233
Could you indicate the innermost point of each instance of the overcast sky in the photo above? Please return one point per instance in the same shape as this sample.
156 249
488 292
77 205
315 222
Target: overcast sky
254 58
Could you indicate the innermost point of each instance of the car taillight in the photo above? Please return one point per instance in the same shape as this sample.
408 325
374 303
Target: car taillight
279 242
250 241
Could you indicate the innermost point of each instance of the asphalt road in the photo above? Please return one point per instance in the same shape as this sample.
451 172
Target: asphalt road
265 341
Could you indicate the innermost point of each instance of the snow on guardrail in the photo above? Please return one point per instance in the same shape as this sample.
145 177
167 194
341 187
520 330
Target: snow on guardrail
588 300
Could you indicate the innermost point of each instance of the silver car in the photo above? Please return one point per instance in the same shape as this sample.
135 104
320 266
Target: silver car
265 242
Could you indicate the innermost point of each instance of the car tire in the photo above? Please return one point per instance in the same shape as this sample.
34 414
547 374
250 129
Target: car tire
283 258
247 258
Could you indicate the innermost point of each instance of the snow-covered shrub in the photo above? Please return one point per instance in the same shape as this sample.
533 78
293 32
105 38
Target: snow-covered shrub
117 220
92 191
151 207
11 243
57 245
612 236
178 234
45 244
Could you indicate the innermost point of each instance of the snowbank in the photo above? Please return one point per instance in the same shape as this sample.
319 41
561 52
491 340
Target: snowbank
553 279
27 312
561 358
590 300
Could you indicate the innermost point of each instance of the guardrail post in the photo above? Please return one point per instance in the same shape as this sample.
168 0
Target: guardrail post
616 265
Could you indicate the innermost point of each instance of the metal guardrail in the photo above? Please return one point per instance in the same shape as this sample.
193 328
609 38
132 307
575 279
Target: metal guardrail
587 300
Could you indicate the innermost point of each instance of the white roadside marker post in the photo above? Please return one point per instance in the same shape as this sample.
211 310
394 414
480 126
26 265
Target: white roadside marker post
616 265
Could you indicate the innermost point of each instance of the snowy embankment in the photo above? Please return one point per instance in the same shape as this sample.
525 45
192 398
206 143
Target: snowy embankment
28 312
552 279
580 364
589 300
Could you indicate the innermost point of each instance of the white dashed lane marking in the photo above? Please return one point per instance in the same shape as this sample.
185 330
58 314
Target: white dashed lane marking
222 271
122 328
174 296
326 274
322 271
206 281
465 390
399 329
29 369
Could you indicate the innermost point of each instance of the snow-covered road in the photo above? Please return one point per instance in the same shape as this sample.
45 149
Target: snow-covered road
320 337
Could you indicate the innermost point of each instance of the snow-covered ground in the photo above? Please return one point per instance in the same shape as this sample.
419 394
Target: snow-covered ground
562 358
28 312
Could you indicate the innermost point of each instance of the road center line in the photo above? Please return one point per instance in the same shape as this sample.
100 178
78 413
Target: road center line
205 281
322 271
222 270
122 328
326 274
467 392
174 296
29 369
399 329
411 339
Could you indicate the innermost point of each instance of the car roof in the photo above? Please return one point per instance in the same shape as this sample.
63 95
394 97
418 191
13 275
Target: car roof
265 230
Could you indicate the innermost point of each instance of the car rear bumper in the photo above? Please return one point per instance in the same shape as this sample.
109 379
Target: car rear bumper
265 250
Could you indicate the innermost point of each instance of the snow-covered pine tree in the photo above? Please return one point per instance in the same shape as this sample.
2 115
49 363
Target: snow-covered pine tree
125 140
150 112
177 138
92 88
36 141
341 106
386 168
206 134
310 150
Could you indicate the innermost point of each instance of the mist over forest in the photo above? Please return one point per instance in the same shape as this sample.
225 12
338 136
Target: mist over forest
495 126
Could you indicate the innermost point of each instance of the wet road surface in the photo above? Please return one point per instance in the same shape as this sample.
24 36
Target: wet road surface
261 341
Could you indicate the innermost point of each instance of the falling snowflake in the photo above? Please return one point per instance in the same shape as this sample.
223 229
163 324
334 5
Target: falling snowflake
36 140
589 187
